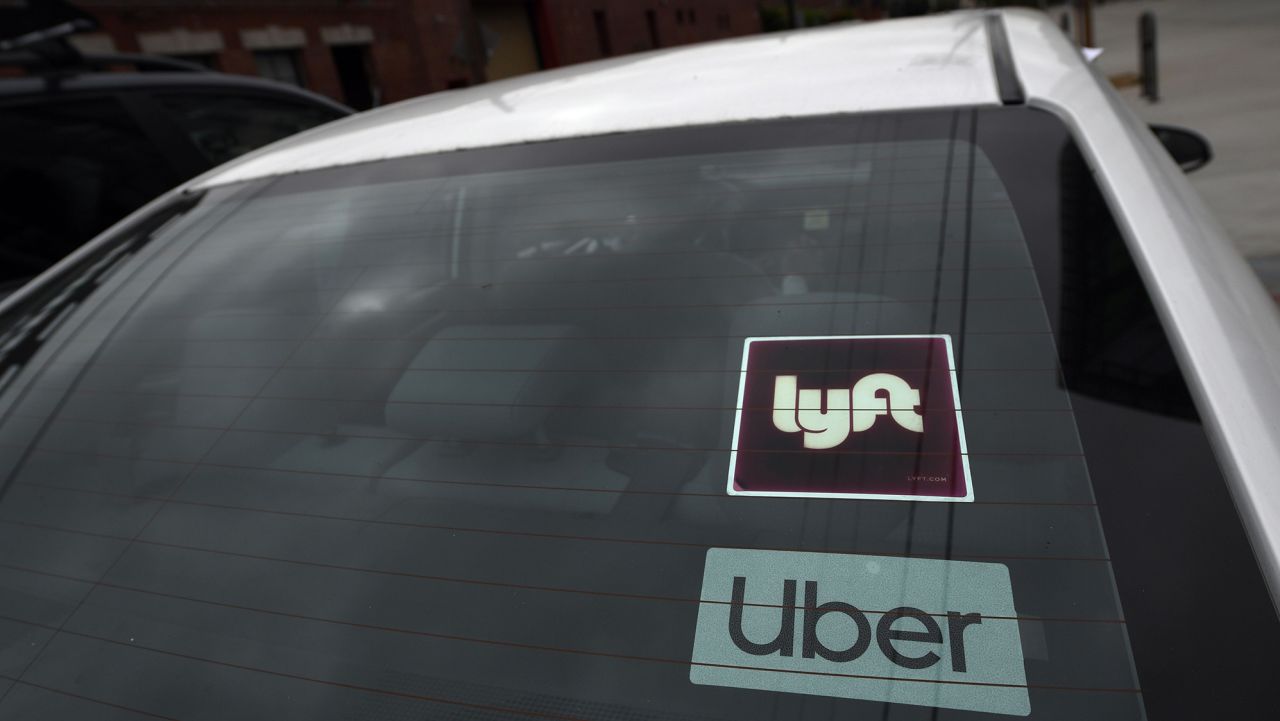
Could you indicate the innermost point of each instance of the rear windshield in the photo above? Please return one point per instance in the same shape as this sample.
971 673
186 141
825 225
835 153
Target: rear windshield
819 419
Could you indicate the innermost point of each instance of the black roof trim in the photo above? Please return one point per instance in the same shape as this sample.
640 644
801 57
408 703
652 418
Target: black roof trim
72 62
1007 83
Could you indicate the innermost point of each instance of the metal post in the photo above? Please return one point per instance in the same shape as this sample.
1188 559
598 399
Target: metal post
1084 22
797 17
477 57
1147 56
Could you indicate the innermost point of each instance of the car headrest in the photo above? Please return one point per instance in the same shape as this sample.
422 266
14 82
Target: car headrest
481 382
654 277
827 313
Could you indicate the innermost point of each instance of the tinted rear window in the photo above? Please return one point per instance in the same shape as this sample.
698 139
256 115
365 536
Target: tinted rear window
451 437
68 170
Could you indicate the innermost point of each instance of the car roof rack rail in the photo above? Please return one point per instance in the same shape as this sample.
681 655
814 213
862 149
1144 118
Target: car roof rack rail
49 46
43 45
1007 83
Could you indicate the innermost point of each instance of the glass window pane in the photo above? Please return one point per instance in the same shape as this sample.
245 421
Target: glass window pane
223 127
68 170
453 435
281 65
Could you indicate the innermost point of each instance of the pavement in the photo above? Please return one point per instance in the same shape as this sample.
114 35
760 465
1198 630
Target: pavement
1219 73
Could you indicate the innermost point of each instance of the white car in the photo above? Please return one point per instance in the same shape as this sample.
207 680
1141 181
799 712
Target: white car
878 371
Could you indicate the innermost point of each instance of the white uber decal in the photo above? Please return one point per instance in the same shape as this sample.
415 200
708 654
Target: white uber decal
846 410
918 631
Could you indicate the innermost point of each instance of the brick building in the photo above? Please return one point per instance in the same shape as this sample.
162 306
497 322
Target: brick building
370 52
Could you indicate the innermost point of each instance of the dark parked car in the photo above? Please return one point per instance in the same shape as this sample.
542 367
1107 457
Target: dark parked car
81 147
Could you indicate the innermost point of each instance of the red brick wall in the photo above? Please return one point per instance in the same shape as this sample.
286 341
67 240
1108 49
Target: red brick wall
399 63
413 52
679 22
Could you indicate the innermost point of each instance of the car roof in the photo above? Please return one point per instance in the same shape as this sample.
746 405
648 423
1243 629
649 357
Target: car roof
933 61
88 82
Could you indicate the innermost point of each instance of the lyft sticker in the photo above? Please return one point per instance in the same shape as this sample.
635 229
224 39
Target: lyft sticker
889 629
850 417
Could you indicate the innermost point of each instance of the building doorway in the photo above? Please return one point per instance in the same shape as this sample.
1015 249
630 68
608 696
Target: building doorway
508 33
355 74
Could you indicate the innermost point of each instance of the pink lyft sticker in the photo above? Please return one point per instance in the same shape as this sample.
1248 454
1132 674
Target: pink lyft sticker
850 417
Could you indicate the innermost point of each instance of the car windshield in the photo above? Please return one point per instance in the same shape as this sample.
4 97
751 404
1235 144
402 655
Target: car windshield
803 419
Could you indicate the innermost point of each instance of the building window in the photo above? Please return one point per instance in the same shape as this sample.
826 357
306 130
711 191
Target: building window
693 16
602 33
281 65
651 19
679 17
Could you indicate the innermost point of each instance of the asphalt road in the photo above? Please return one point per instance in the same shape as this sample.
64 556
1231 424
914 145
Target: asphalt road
1219 64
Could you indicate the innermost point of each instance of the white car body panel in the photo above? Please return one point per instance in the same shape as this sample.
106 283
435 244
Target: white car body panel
1224 327
928 62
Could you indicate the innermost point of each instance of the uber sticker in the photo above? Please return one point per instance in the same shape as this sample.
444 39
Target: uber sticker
849 417
898 630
